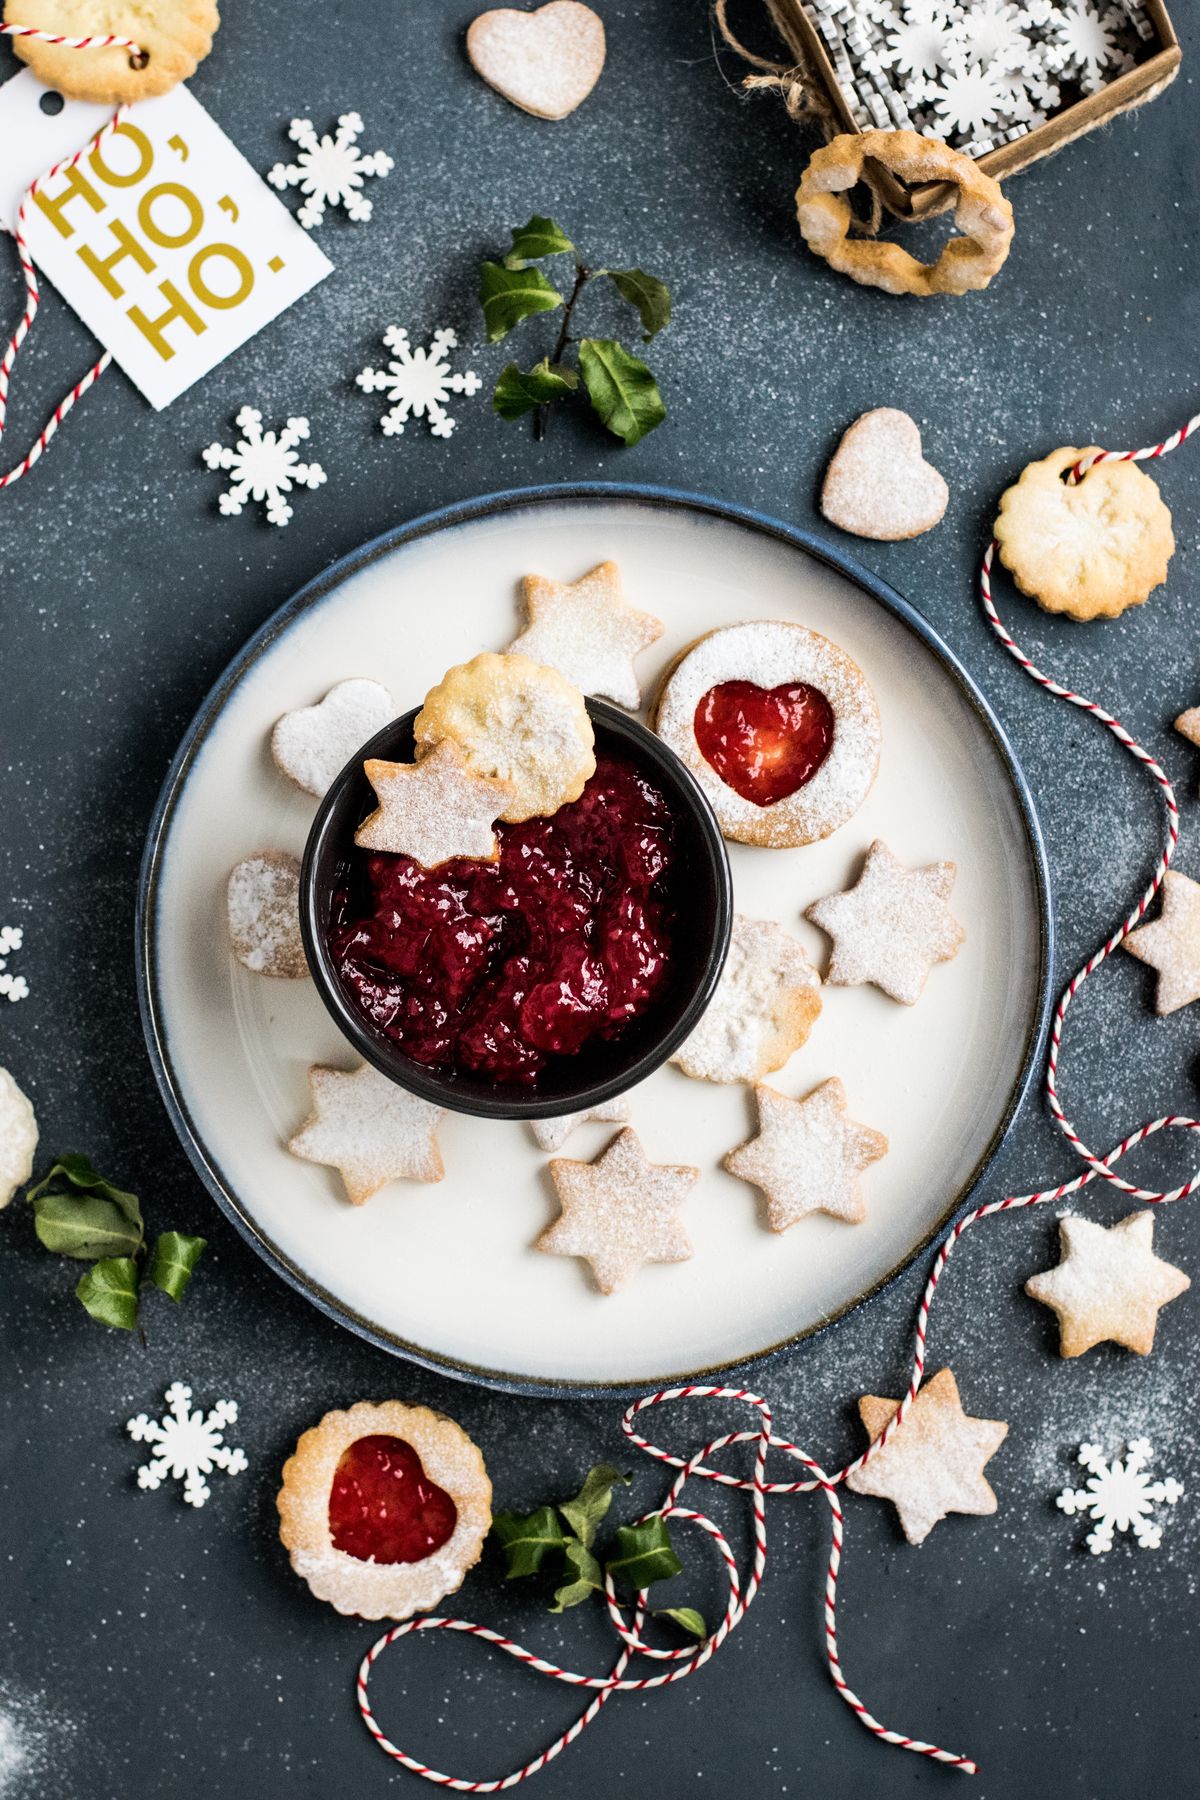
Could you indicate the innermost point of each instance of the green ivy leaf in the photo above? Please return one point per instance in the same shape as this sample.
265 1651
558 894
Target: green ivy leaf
687 1617
172 1261
527 1539
541 237
586 1576
644 1553
648 294
621 389
74 1173
510 295
518 393
584 1513
85 1227
109 1291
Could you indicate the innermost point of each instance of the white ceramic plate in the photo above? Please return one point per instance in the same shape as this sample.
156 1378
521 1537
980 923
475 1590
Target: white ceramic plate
445 1273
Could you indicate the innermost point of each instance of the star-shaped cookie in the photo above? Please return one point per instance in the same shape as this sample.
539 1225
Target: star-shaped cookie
552 1134
934 1463
808 1155
588 631
434 809
1109 1286
619 1212
891 926
369 1130
1171 944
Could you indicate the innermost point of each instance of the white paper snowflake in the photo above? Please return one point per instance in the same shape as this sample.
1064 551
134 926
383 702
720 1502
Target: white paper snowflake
967 101
330 170
418 382
264 466
1120 1496
188 1445
1084 42
12 987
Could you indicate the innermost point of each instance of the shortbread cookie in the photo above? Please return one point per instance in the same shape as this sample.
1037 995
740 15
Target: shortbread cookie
546 62
588 631
934 1462
619 1212
778 726
763 1009
1188 725
1090 548
433 810
262 899
1109 1286
808 1155
1171 944
891 926
514 720
878 484
552 1134
370 1130
174 37
384 1508
313 744
18 1138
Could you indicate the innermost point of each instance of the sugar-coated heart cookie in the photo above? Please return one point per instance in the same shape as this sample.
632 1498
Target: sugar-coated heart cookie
546 62
313 744
18 1138
174 36
878 484
263 900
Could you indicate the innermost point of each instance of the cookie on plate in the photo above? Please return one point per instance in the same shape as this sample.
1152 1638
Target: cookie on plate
763 1009
370 1130
891 927
619 1212
262 900
587 630
808 1155
313 744
433 810
174 37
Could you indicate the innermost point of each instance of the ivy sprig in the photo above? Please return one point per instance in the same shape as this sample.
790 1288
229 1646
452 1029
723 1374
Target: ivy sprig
621 388
558 1540
79 1213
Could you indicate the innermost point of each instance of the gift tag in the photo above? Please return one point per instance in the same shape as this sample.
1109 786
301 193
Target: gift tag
164 240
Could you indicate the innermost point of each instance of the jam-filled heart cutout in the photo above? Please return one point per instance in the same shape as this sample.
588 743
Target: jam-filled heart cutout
383 1507
764 743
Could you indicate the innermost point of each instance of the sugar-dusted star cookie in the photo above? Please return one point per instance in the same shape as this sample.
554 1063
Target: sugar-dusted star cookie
1171 944
369 1130
763 1009
435 809
891 926
552 1134
808 1155
313 744
588 631
934 1463
1109 1285
619 1212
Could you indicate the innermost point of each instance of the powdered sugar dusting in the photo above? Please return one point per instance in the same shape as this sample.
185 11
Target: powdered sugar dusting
552 1134
878 484
263 903
313 744
546 61
433 810
619 1212
763 1009
18 1138
588 631
370 1130
891 926
808 1155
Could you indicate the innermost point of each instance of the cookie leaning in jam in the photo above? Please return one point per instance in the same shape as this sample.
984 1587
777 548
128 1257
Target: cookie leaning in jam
778 725
384 1508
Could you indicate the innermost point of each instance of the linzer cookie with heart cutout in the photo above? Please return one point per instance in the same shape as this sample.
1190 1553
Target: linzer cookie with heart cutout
878 484
778 725
546 62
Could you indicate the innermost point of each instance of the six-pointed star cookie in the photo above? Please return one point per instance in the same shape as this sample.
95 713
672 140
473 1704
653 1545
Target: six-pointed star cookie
434 809
1171 944
588 631
891 926
808 1155
1109 1286
369 1130
619 1212
552 1134
933 1464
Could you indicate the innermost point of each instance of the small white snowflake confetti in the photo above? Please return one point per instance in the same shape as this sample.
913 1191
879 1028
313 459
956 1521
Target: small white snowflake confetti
264 466
187 1445
330 170
1120 1496
418 382
12 987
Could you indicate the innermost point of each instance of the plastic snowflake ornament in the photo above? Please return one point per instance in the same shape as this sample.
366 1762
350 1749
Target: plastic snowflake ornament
188 1445
12 987
418 382
1119 1496
264 466
993 32
1085 42
967 99
330 170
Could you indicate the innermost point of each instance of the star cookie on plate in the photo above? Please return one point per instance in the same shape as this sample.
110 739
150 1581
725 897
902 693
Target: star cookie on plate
588 631
552 1134
763 1009
808 1155
435 809
619 1212
1109 1285
933 1465
1171 944
369 1130
891 926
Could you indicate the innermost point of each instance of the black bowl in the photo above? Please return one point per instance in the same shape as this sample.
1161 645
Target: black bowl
599 1071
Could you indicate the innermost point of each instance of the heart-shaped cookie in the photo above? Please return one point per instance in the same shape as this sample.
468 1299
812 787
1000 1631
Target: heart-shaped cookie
546 62
878 484
313 744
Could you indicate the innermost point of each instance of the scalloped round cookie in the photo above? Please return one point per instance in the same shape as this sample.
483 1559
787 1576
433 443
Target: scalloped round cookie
175 35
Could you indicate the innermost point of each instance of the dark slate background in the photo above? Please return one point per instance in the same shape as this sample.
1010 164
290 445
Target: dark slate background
148 1650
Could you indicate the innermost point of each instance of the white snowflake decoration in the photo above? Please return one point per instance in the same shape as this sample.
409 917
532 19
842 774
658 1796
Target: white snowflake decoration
188 1445
264 466
12 987
418 382
1120 1496
330 170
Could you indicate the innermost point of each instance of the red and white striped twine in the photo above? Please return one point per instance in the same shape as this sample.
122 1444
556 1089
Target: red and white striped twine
690 1658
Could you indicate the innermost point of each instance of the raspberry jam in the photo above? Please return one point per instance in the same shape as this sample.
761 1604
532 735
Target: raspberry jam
764 743
383 1507
495 969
